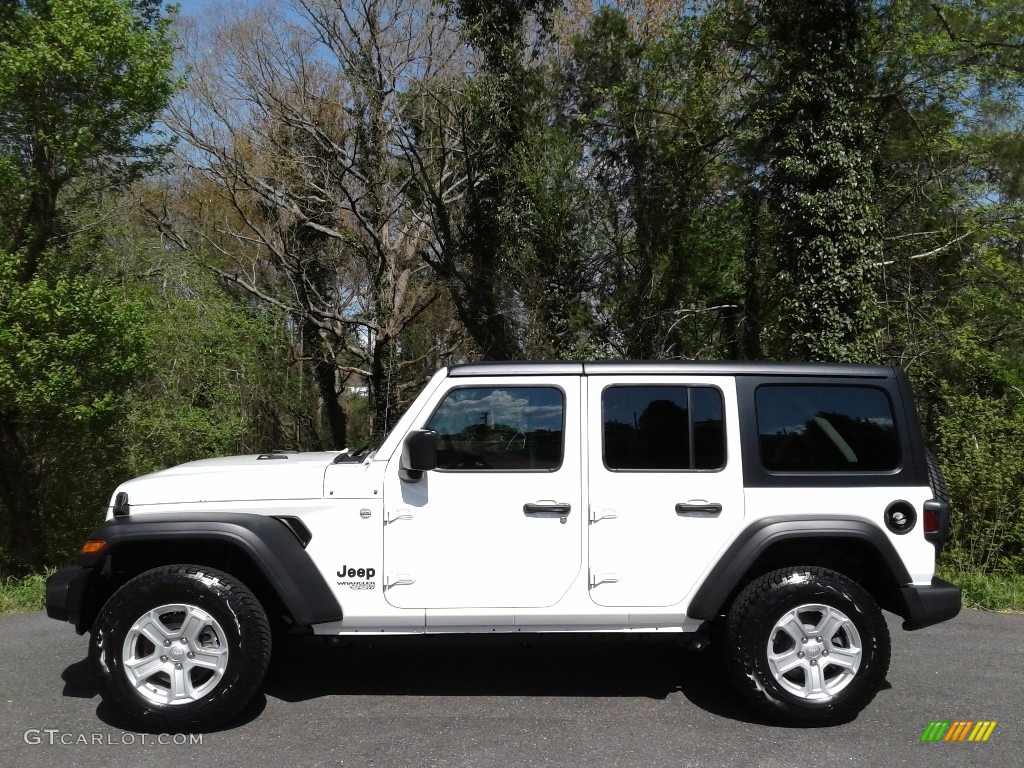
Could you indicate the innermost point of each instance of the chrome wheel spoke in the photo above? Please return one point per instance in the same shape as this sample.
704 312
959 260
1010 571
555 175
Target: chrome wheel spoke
146 667
814 682
181 684
149 627
785 662
210 658
193 624
847 658
793 627
830 623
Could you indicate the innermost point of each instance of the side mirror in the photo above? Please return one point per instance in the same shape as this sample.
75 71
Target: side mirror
419 454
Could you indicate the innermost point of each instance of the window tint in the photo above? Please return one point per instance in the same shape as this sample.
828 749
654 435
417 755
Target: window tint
480 428
663 428
826 429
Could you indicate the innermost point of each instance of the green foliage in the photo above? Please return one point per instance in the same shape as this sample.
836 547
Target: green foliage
67 350
220 379
27 593
819 147
82 79
653 113
980 439
499 28
973 383
80 83
988 591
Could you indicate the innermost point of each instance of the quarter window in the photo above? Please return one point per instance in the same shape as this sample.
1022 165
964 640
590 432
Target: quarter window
662 428
500 428
826 429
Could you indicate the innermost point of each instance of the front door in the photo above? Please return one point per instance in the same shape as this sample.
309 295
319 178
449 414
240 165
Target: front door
666 484
499 523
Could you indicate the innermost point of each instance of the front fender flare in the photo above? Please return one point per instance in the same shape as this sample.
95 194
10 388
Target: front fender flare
267 541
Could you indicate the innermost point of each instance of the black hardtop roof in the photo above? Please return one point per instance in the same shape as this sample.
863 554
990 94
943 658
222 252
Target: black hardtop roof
652 367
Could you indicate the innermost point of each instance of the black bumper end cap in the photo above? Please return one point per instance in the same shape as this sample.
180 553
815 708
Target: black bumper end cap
65 593
931 604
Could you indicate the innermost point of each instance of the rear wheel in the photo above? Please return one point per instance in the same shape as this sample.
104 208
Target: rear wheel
182 647
807 646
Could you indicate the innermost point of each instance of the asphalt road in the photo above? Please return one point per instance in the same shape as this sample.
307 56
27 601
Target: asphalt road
502 702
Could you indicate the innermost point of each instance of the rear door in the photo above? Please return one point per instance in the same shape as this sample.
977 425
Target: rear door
666 484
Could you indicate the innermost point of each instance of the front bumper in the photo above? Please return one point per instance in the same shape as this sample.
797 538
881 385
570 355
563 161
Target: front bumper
927 605
65 594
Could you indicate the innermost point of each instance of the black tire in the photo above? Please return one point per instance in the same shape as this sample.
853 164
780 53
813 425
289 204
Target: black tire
830 681
220 623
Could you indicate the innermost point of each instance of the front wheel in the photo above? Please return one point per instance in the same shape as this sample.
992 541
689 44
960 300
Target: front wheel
807 646
181 647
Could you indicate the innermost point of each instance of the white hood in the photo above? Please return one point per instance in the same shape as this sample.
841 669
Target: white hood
233 478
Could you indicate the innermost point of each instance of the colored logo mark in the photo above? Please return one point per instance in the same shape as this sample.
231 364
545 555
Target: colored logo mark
958 730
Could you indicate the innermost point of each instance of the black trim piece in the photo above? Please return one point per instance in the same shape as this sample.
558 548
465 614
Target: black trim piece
928 605
709 368
121 506
296 526
282 559
516 368
698 509
709 601
736 368
65 593
547 510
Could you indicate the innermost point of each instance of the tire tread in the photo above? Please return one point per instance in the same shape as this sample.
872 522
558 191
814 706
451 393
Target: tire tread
747 616
252 651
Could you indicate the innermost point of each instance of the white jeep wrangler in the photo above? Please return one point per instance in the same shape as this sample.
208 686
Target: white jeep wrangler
780 504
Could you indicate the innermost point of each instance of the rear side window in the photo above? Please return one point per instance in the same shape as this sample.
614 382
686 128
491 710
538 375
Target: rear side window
500 428
662 428
826 429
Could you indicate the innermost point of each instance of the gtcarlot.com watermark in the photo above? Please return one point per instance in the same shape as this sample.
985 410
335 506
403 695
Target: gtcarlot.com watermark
57 737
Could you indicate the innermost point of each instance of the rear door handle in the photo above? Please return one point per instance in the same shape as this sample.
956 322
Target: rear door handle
698 508
547 509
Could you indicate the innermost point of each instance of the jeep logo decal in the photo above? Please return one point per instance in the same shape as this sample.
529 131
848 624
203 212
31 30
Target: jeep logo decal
356 573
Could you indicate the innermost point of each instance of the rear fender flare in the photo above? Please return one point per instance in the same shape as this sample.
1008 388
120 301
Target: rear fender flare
722 581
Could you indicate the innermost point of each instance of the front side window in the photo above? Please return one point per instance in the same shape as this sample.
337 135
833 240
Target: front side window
662 428
500 428
826 429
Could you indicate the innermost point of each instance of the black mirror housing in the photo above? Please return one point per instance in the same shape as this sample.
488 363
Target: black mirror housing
419 454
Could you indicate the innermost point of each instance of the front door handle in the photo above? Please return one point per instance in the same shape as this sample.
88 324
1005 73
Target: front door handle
547 509
698 507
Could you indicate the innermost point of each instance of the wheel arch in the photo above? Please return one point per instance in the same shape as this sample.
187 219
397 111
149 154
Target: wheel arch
850 546
265 553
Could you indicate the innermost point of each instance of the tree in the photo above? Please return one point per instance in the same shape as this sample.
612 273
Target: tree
298 128
655 107
820 144
80 85
470 137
